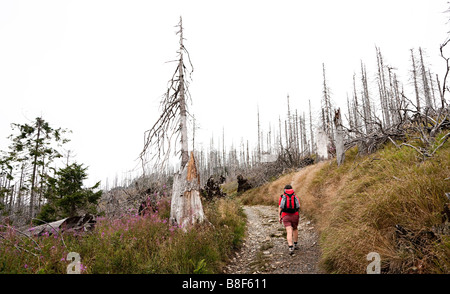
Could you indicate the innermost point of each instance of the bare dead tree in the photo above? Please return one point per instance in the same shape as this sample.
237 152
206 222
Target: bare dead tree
259 139
173 119
298 135
311 129
384 94
350 114
425 85
366 99
223 148
289 129
304 138
444 84
326 107
186 207
339 137
280 134
356 107
416 88
432 87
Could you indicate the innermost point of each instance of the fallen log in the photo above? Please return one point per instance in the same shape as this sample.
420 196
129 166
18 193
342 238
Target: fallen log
71 224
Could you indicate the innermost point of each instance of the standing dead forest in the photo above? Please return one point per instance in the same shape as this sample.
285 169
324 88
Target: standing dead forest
376 113
184 185
299 138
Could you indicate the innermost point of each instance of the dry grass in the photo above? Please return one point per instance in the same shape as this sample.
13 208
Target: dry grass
362 202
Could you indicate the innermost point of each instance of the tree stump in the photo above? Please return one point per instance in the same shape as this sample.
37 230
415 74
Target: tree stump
243 184
212 188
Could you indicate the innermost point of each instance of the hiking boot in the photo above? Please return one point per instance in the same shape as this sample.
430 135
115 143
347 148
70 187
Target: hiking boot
291 250
296 246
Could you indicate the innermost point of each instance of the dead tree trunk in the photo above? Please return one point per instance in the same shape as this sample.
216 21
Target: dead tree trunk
327 108
281 139
366 100
259 140
311 129
186 206
433 94
339 137
305 140
384 95
356 107
322 145
447 71
183 119
416 88
426 87
289 140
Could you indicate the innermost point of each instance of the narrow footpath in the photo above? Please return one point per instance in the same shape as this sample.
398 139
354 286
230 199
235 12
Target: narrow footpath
265 249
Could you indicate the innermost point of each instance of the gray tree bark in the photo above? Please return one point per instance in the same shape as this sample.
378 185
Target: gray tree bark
416 88
183 116
426 87
311 129
322 145
339 137
186 206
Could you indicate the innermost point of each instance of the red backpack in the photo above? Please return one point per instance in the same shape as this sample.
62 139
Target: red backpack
289 202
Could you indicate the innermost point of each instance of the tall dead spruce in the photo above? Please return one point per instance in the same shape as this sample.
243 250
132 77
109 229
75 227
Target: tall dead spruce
339 137
186 206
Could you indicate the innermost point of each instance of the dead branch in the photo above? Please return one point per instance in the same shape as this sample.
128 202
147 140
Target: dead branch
444 85
409 145
442 142
18 247
23 234
173 114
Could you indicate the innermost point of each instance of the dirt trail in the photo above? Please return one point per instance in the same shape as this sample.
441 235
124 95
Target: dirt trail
265 250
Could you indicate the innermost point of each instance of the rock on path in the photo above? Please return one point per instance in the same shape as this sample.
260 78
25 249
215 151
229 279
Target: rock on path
265 249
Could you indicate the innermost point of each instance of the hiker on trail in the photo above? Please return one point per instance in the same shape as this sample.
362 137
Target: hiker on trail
288 207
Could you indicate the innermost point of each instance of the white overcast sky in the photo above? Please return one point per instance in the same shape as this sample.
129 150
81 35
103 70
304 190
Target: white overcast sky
99 68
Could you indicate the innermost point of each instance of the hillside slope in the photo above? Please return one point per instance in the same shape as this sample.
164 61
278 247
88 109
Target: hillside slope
392 202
